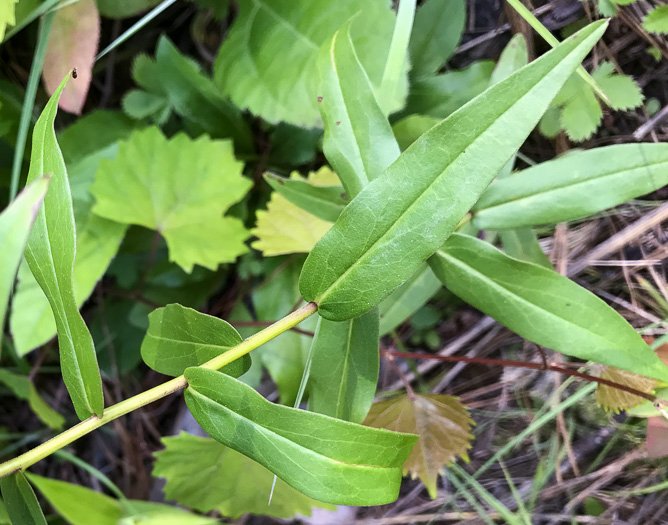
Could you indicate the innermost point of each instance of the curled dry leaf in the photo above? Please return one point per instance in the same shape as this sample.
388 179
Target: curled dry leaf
73 42
443 424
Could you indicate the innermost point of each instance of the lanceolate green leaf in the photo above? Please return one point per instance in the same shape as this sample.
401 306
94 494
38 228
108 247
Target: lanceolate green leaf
50 255
179 337
404 216
574 186
542 306
15 224
408 298
325 202
359 143
344 371
327 459
20 500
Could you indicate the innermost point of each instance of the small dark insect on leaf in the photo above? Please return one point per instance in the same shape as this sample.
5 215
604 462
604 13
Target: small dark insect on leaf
319 99
74 73
338 122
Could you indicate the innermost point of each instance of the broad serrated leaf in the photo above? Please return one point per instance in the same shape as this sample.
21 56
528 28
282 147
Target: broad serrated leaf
7 16
441 95
179 187
205 475
84 144
285 227
325 202
542 306
358 143
436 32
553 191
22 505
175 82
15 224
607 8
399 219
408 298
73 41
621 90
443 424
267 64
656 20
344 370
300 447
50 255
180 337
23 388
613 399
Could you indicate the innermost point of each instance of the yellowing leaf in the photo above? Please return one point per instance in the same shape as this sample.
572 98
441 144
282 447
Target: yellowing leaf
73 42
444 427
614 399
286 228
206 475
179 187
7 16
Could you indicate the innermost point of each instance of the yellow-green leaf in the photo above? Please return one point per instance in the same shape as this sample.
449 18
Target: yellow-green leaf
615 399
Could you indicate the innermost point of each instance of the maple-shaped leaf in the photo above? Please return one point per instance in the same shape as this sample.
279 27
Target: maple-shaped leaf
443 424
286 228
179 187
614 399
656 20
7 16
205 475
72 43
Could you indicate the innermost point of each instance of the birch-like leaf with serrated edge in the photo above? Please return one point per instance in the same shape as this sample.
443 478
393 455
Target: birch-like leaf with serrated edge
402 217
268 61
205 475
285 227
656 20
615 399
443 424
325 458
50 255
179 187
542 306
15 224
180 337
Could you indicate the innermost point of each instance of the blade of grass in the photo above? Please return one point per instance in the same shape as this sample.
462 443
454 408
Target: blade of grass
29 102
135 27
551 39
521 508
482 512
399 45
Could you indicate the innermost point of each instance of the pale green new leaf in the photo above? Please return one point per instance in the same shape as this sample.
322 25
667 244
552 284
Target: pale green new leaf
205 475
22 505
553 191
437 30
325 202
358 143
621 90
405 215
84 144
15 224
513 57
179 187
344 370
267 63
7 16
656 20
327 459
50 255
542 306
23 388
412 295
180 337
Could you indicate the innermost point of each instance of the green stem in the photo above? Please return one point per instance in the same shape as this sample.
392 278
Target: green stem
174 385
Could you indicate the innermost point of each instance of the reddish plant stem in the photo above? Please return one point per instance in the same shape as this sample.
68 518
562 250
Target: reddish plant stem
553 367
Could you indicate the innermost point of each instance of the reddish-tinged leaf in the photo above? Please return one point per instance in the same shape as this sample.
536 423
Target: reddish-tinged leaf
73 42
657 437
443 424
